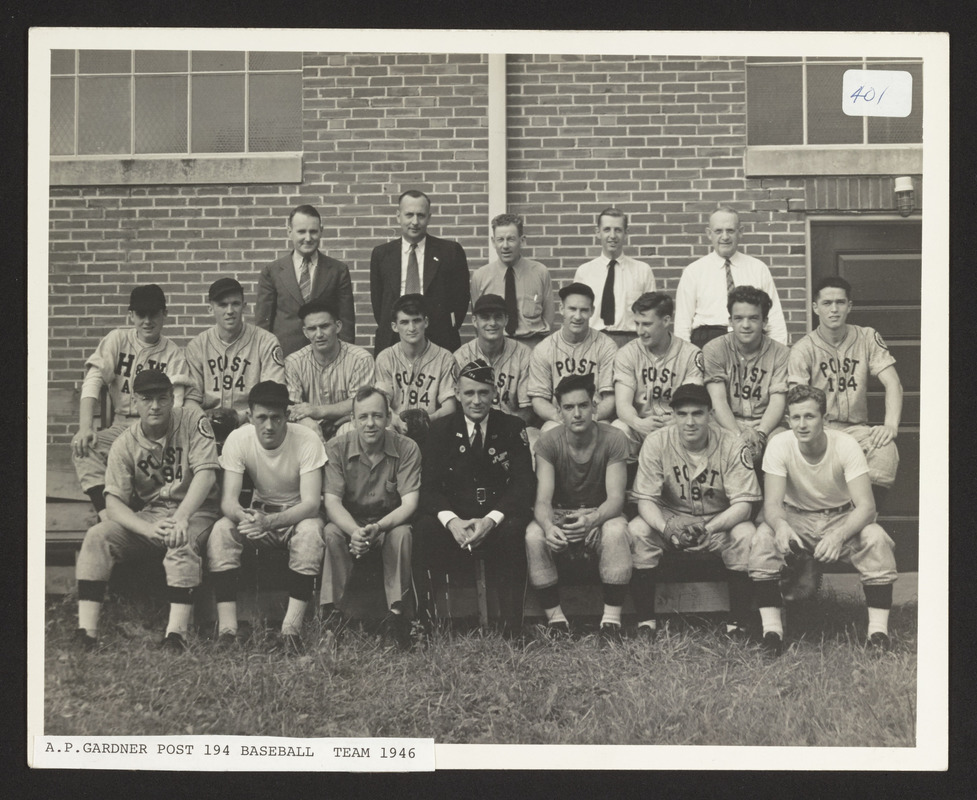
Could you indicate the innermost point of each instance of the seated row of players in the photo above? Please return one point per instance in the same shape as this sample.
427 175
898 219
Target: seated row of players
166 466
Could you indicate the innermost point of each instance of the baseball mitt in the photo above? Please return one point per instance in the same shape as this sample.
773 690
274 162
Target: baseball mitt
684 531
418 422
223 421
800 577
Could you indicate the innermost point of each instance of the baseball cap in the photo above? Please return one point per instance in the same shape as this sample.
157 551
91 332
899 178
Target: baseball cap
222 287
150 380
478 370
487 303
147 299
691 393
577 288
269 393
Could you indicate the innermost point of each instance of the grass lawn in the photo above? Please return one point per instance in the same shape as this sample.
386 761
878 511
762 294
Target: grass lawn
691 687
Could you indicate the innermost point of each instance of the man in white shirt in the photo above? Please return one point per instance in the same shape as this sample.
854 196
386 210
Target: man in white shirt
616 278
700 302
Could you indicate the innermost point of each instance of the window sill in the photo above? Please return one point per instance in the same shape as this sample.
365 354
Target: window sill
904 159
161 170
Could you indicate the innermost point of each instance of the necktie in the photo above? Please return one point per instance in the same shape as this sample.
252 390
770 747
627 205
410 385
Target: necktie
305 279
607 310
511 308
413 282
729 277
477 440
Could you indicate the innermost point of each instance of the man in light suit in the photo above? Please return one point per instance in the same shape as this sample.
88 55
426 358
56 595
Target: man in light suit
420 264
304 275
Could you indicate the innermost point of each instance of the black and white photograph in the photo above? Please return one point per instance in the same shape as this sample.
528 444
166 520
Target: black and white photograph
554 397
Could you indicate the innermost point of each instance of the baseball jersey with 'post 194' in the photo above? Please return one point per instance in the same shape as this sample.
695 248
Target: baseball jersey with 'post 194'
653 379
840 372
425 382
222 374
750 379
554 358
511 369
702 484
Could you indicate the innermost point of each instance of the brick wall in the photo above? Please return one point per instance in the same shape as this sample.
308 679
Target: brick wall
373 125
662 137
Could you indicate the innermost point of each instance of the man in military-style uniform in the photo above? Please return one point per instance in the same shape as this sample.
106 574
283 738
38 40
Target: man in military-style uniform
477 490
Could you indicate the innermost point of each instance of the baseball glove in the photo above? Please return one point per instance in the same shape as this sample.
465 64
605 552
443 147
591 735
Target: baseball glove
800 577
418 422
223 421
684 531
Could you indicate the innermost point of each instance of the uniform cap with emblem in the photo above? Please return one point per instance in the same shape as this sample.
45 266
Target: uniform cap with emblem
488 303
223 287
269 393
147 299
479 370
150 380
691 393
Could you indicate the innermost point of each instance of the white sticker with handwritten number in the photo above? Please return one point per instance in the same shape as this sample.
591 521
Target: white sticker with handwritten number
877 93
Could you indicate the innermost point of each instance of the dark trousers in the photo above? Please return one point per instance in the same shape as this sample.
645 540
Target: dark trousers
706 333
504 552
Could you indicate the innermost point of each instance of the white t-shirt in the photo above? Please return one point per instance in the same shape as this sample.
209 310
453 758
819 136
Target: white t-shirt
276 473
815 487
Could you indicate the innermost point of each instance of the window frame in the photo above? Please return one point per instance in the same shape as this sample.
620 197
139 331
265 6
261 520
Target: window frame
238 167
804 159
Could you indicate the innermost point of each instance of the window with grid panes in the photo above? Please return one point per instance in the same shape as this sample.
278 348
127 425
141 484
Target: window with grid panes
161 102
797 102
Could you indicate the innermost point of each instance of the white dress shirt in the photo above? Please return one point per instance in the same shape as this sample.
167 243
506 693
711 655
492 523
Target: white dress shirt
701 295
444 517
631 280
405 256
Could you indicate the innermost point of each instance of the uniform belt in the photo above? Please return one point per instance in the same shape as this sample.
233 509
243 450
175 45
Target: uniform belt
835 510
271 508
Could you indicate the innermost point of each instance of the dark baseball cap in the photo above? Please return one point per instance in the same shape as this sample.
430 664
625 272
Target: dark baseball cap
223 287
151 380
478 370
487 303
147 299
269 393
693 393
577 288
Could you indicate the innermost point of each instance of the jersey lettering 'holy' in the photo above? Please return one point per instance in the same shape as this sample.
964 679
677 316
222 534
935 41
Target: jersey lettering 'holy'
223 374
120 356
749 379
653 379
841 372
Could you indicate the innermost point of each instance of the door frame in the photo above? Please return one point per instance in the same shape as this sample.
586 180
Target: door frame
828 218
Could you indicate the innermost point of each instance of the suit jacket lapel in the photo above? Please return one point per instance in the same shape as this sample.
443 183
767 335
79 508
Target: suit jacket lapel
431 263
289 282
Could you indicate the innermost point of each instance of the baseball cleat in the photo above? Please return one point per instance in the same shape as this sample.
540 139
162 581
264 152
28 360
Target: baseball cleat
773 644
609 634
395 630
647 635
292 644
174 643
226 641
878 642
82 641
558 630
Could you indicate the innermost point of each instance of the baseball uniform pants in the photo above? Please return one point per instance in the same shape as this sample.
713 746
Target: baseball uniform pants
108 543
883 462
90 468
648 545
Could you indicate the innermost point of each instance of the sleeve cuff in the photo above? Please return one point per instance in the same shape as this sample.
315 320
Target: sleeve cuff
496 516
444 517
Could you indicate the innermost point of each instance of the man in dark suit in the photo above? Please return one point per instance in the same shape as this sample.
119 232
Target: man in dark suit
477 491
420 264
300 277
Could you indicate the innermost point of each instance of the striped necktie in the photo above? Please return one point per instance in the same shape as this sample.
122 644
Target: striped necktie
305 278
413 283
729 277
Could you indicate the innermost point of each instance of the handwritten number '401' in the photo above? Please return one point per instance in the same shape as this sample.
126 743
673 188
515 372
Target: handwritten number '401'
868 95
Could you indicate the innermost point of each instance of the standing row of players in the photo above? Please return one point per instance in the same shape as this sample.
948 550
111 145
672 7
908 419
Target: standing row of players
575 379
